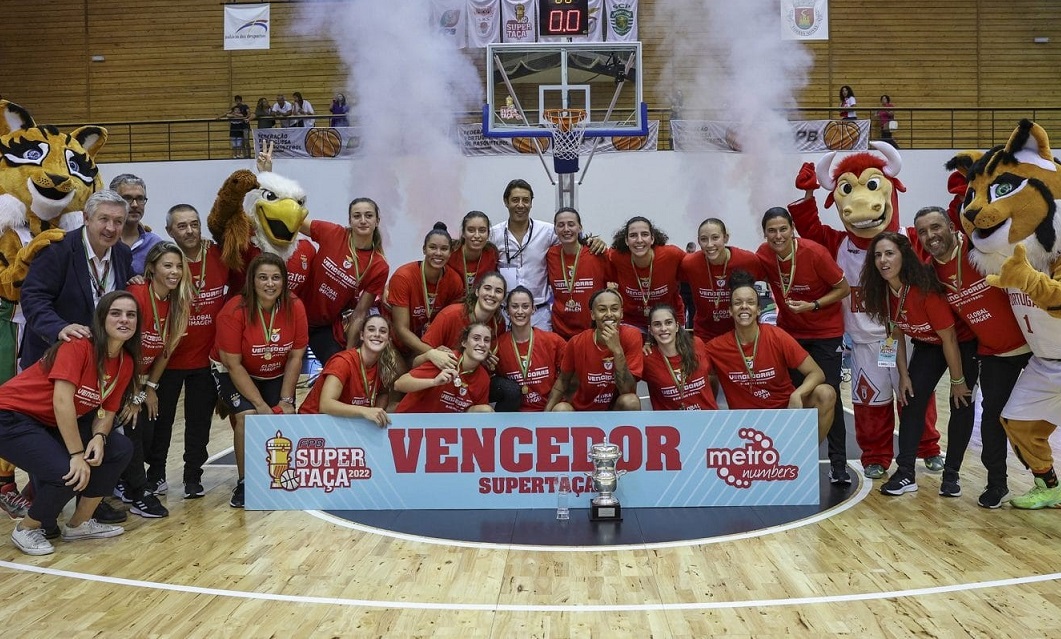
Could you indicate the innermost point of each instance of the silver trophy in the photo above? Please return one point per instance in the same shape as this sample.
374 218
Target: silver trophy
605 507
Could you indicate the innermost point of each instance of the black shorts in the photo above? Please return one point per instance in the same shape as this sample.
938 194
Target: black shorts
269 388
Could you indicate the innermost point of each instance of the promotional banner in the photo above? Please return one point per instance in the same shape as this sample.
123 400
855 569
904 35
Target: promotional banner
473 142
622 20
247 26
519 20
519 460
484 22
319 142
805 19
448 20
807 136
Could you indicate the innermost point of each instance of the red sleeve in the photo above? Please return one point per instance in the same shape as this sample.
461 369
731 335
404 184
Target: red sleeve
793 353
938 311
230 325
567 359
301 324
809 224
444 329
630 338
376 278
398 293
825 265
70 361
319 229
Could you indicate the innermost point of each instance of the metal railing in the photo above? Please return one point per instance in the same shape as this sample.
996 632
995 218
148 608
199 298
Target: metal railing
919 128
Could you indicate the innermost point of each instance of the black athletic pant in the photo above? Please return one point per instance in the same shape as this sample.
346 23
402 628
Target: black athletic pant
200 398
829 356
997 378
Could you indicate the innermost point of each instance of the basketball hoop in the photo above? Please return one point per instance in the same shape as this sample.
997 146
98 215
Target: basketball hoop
568 127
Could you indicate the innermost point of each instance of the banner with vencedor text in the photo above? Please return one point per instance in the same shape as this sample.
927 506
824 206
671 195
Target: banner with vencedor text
518 460
247 26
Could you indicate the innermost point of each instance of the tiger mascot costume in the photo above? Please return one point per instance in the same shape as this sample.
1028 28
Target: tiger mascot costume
1010 213
45 178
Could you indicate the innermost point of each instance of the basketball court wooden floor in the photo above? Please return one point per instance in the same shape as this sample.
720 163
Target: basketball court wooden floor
917 565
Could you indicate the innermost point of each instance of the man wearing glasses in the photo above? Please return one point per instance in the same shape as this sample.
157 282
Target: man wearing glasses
134 234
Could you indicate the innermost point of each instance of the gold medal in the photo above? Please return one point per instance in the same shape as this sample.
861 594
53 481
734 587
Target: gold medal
267 356
101 413
524 389
646 311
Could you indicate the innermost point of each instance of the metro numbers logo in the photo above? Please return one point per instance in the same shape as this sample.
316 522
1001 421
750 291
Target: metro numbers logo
758 460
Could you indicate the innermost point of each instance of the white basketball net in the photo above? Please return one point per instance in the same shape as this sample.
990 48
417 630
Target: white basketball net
568 127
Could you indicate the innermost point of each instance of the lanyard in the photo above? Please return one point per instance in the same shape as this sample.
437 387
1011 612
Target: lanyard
522 247
749 362
958 281
791 272
893 321
364 380
105 389
569 282
678 376
99 282
357 262
161 326
199 283
268 332
644 291
523 363
713 281
423 284
469 280
458 381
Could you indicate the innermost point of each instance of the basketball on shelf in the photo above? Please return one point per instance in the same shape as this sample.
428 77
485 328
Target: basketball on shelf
628 142
841 135
526 145
323 143
733 140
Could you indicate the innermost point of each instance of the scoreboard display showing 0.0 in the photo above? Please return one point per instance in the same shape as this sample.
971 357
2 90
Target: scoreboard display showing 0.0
563 17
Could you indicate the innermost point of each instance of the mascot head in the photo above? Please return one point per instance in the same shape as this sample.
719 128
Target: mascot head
277 209
865 189
48 172
1012 199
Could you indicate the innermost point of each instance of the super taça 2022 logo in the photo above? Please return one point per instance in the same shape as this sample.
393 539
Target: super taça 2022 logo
758 460
313 464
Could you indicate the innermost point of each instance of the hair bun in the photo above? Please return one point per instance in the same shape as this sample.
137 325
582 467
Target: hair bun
440 226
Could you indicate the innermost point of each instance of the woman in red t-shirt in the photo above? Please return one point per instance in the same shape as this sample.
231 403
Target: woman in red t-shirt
348 274
529 356
357 382
463 388
904 293
165 301
753 361
474 254
575 273
482 304
677 369
261 337
419 290
646 269
56 421
602 364
707 272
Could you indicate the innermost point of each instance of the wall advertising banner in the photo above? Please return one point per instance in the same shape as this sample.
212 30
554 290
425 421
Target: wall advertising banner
473 142
316 142
807 136
247 26
519 460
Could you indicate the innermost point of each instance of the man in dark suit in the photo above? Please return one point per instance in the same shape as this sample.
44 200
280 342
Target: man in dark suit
66 279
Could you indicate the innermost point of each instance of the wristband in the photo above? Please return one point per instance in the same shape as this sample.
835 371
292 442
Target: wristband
817 305
80 452
139 398
960 380
103 435
277 410
152 385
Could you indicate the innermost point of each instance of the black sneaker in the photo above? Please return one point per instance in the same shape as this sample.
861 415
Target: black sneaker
107 514
158 486
193 490
237 495
149 506
838 474
950 487
993 497
899 483
122 492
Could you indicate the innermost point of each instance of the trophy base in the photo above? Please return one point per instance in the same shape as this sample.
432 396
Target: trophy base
612 512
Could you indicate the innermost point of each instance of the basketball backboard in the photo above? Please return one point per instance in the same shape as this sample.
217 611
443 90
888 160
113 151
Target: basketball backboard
525 80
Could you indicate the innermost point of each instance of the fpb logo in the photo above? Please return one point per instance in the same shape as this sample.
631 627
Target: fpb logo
313 464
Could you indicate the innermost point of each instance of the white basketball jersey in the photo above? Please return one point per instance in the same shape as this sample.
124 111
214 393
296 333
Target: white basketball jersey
857 323
1042 331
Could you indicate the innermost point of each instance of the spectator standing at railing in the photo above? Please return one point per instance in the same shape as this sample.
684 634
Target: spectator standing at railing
239 127
303 108
282 109
339 109
263 113
847 103
886 118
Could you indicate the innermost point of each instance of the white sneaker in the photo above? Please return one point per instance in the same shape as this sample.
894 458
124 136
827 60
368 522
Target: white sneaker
91 529
31 540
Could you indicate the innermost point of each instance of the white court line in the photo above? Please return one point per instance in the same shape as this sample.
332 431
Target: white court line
761 532
495 607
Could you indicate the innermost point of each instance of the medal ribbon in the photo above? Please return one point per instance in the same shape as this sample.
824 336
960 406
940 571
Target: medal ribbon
458 381
364 379
570 282
354 259
791 272
644 293
711 278
524 364
893 321
957 282
423 283
106 390
469 280
679 378
199 283
161 326
749 362
268 332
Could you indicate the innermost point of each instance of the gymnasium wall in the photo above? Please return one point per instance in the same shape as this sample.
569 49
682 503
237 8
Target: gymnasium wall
164 59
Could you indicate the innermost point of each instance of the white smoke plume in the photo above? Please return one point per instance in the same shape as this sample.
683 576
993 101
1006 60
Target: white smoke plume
728 62
408 86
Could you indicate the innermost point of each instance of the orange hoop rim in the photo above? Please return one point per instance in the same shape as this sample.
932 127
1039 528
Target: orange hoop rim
564 119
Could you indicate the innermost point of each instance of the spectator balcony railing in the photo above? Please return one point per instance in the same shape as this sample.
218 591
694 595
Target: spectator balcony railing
918 128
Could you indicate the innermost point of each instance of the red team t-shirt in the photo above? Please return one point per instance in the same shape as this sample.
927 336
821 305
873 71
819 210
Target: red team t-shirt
209 276
336 280
450 322
264 358
298 268
30 393
593 369
640 291
816 273
345 366
571 308
710 288
985 309
406 290
922 315
542 369
770 385
473 390
662 375
151 326
475 268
